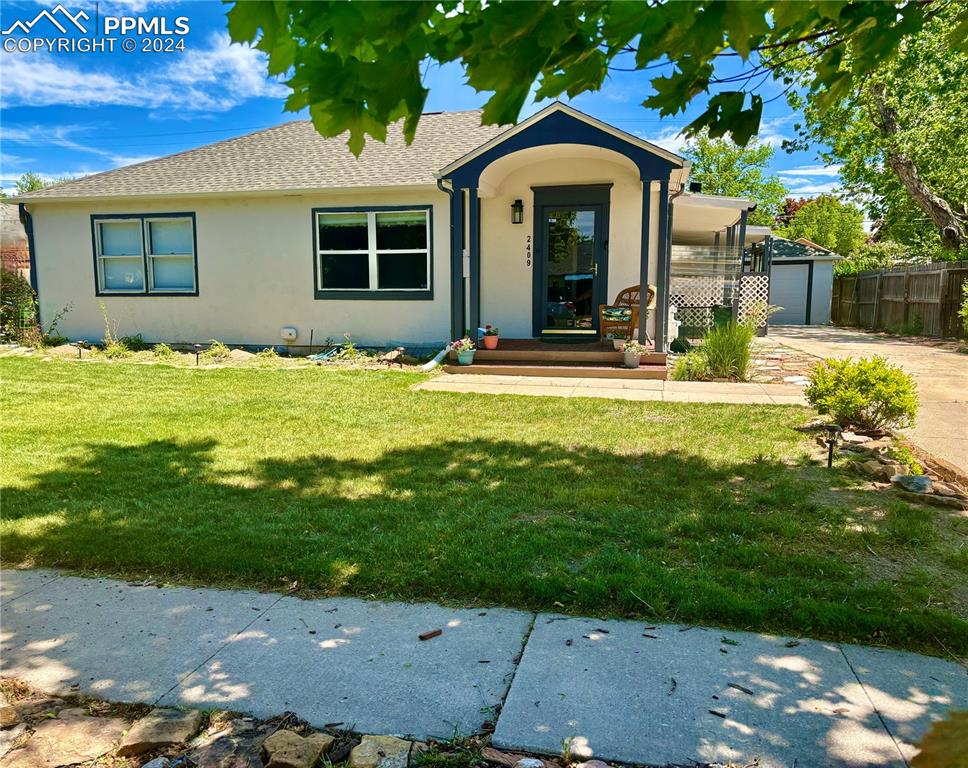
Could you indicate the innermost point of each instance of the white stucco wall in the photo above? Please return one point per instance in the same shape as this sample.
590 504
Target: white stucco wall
506 279
255 274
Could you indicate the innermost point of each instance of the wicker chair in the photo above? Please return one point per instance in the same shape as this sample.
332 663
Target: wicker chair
623 314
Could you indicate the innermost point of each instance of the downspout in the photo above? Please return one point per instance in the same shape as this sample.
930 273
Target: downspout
667 257
28 223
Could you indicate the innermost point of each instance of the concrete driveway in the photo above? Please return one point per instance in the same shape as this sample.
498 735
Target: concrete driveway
941 375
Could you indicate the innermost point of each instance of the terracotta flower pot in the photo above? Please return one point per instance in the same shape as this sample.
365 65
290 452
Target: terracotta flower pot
490 342
618 344
466 356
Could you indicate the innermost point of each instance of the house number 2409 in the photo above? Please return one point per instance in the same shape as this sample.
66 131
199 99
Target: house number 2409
527 251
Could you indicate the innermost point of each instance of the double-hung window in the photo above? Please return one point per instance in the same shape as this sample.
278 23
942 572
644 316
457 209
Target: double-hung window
373 253
145 254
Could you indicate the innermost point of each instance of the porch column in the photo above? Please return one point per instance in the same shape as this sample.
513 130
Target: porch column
662 276
742 229
644 242
474 249
457 264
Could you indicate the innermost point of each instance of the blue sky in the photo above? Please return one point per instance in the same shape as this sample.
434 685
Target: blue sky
80 113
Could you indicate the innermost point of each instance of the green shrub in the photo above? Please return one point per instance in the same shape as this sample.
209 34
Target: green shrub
115 350
691 367
727 350
903 455
134 343
163 352
868 393
216 351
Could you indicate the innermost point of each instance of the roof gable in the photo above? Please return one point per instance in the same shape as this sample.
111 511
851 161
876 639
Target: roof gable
561 124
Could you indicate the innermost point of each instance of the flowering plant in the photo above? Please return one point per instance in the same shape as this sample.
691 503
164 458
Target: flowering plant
491 330
462 345
632 347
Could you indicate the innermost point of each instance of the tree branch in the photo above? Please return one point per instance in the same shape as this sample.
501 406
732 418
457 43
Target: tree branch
950 226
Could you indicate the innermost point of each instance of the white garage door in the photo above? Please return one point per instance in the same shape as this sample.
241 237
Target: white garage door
788 289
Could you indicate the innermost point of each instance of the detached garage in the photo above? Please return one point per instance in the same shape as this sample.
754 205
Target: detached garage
801 281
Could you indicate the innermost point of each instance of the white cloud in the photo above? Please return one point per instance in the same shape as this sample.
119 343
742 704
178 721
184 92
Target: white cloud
670 139
61 136
211 79
811 187
813 170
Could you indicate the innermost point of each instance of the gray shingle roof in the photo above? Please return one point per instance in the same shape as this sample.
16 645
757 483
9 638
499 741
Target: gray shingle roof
288 157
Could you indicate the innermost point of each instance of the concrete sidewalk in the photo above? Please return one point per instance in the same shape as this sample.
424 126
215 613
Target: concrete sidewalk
941 376
619 389
618 690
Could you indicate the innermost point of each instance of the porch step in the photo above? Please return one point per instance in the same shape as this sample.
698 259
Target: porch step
561 356
565 371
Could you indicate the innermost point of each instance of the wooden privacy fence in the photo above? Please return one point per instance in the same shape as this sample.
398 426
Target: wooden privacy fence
921 299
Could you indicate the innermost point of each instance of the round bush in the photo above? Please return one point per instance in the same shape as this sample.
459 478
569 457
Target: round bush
867 393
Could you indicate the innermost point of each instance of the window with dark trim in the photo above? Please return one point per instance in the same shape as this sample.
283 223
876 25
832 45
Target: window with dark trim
145 254
380 252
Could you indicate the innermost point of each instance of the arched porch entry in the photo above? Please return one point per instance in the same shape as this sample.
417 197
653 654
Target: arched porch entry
612 186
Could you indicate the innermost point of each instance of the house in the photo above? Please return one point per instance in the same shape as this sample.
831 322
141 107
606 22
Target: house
14 253
801 281
282 233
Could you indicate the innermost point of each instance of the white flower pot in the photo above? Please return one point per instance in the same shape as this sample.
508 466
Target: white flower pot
632 360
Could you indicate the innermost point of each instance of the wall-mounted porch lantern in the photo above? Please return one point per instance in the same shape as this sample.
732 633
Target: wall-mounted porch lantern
517 212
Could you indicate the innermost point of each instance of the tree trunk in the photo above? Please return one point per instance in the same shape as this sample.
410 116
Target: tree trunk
950 226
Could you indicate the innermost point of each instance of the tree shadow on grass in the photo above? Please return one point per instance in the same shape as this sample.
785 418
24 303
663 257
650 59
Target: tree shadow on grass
663 535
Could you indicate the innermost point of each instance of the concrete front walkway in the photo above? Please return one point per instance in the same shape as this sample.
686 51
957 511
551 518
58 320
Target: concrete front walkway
617 690
620 389
941 375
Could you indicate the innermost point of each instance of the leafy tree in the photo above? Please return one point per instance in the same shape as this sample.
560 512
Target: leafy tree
358 66
790 207
30 182
828 222
870 256
725 168
901 134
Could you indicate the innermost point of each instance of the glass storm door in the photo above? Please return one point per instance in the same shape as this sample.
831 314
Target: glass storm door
572 256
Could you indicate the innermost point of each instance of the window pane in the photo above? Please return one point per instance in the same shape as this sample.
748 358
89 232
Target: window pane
123 274
401 230
120 238
172 236
345 270
402 270
342 232
172 274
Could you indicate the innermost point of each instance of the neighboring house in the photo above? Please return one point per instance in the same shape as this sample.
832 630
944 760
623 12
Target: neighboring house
14 251
529 228
801 281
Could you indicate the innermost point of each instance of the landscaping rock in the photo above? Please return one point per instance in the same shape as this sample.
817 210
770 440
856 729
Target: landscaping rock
72 737
592 764
500 758
851 437
159 729
240 355
9 736
529 762
29 707
943 489
874 468
287 749
913 483
238 745
951 502
380 752
158 762
8 716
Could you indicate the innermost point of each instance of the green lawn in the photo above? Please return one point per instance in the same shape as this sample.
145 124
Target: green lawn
348 482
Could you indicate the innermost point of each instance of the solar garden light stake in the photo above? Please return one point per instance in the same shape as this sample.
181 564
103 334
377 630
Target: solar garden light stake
833 432
80 344
198 349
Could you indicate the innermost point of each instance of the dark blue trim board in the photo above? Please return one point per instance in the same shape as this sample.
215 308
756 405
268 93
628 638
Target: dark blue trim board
662 271
474 252
27 220
644 256
374 294
96 217
561 128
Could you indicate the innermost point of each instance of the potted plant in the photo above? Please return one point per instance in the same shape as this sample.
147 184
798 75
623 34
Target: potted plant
491 334
618 340
464 349
633 351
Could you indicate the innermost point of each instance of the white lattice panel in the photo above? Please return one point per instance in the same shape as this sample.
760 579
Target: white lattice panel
754 298
705 291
